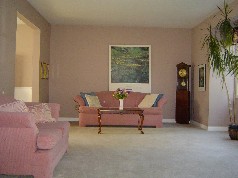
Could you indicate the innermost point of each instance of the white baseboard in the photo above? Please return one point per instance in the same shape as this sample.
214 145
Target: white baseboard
209 128
68 119
77 119
198 124
168 121
223 129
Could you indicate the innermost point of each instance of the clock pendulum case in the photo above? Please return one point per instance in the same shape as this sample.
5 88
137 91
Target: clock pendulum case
182 115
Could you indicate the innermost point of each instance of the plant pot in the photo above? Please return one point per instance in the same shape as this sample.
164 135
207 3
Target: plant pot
226 33
233 131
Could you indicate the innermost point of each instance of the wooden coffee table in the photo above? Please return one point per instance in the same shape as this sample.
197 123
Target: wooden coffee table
124 111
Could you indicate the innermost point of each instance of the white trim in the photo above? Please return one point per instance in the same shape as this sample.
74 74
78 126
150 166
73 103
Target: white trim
77 119
198 124
168 121
209 128
214 128
68 119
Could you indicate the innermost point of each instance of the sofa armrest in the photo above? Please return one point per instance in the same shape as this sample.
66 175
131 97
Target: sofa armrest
162 102
54 108
79 100
17 120
17 148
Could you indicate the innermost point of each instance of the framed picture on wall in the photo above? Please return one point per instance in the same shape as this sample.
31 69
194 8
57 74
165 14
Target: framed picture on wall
202 77
130 67
44 70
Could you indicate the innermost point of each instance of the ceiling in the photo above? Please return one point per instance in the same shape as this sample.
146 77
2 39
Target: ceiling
139 13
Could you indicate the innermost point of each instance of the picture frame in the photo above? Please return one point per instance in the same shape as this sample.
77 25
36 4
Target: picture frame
44 70
235 36
202 77
130 67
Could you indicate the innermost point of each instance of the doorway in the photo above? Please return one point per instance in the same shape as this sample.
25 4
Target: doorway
27 60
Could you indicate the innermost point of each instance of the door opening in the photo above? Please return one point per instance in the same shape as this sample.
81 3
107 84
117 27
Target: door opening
27 60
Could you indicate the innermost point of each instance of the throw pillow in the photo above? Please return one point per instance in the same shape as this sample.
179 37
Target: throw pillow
82 94
157 99
16 106
148 101
42 113
93 101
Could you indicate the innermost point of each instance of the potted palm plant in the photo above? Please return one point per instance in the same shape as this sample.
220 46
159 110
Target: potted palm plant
222 59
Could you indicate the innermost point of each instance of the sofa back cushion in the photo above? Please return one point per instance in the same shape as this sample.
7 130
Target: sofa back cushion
42 113
17 120
148 101
133 99
107 100
93 101
83 96
15 106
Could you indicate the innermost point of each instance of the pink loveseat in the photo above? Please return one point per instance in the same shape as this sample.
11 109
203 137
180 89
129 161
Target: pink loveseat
88 115
27 148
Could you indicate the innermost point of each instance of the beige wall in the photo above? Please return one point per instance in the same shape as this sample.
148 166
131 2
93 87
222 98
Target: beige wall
202 113
24 53
80 60
201 98
8 21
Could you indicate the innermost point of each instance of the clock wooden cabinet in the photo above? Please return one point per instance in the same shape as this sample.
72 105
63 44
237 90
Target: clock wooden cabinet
182 115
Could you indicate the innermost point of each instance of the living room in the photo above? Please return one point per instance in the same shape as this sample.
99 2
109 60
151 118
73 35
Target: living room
165 55
78 58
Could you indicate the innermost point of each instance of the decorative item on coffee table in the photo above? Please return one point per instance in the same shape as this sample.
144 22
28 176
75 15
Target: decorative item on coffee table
120 94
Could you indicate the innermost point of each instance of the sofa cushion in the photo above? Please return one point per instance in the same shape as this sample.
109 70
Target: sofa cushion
61 125
133 99
48 138
148 101
157 99
15 106
41 112
83 95
106 99
93 101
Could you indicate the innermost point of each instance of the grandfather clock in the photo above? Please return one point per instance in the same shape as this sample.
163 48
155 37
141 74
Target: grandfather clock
182 115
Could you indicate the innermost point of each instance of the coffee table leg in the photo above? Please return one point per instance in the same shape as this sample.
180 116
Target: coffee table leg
141 123
99 123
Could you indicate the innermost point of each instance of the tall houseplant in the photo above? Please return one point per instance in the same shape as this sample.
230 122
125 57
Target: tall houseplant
222 59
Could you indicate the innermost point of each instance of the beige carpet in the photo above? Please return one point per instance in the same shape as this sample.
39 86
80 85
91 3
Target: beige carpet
175 151
178 152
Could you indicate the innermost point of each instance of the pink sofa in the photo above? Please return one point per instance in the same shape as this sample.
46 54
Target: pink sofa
27 148
88 115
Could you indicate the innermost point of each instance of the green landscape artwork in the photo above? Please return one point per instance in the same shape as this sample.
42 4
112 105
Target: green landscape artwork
130 64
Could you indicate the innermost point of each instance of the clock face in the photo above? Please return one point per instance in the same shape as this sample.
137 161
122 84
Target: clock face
182 72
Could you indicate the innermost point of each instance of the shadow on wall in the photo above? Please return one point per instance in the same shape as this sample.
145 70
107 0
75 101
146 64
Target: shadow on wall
197 117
